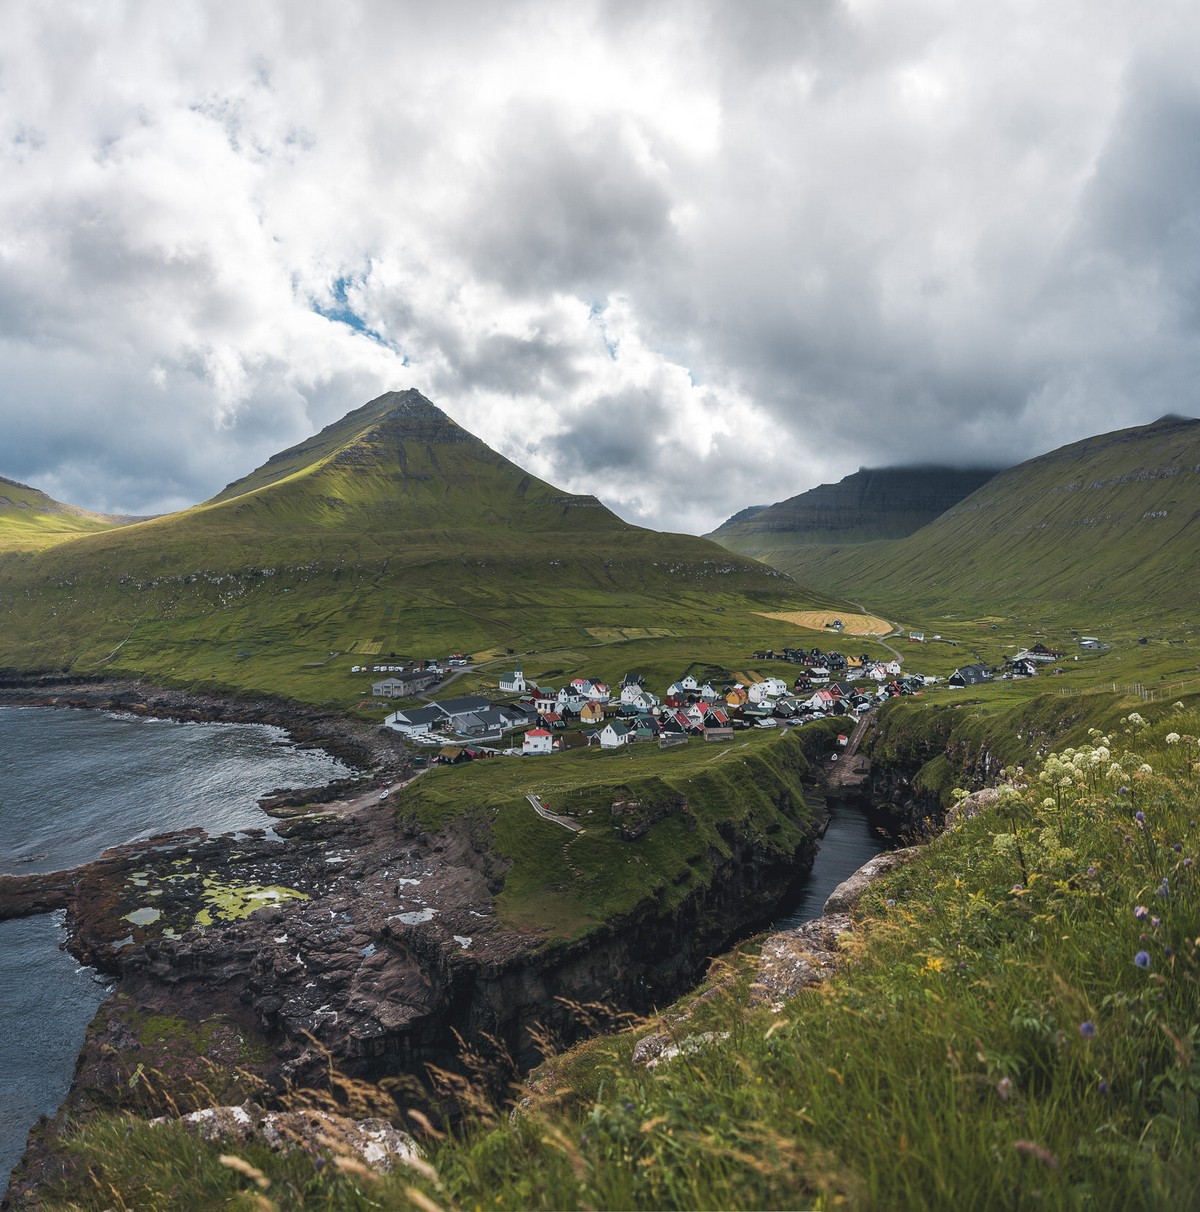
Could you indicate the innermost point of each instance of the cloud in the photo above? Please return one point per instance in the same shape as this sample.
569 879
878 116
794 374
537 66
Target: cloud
684 255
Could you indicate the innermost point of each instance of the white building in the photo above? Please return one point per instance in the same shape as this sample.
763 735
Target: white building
538 740
514 684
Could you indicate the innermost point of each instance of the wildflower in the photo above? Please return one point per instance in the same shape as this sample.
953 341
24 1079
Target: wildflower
1172 738
1140 817
891 904
1091 871
1124 790
1141 912
1156 922
1087 1029
1142 959
1164 889
1168 952
1004 1088
1047 802
934 963
1017 889
1187 862
1178 847
1145 768
1102 1086
1136 719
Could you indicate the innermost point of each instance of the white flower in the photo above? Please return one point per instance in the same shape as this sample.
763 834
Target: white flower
1172 738
1145 768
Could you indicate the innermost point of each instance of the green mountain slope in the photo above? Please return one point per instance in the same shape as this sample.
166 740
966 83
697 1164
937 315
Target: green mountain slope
392 531
31 520
873 503
1108 525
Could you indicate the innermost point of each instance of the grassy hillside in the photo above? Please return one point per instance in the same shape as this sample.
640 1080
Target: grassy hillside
1108 526
31 521
873 503
392 531
1014 1026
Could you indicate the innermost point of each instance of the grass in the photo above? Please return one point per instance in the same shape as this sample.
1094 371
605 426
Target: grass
1011 1030
393 531
1104 527
700 800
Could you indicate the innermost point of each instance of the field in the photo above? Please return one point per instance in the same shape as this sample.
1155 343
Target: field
819 620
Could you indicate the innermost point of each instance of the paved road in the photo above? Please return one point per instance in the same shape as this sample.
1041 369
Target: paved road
544 812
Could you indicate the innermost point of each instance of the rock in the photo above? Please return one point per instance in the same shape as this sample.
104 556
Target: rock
797 959
370 1142
848 893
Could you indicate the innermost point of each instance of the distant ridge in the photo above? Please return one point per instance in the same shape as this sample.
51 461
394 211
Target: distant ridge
31 519
873 503
1110 524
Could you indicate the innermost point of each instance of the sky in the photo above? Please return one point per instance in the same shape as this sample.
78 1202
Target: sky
688 257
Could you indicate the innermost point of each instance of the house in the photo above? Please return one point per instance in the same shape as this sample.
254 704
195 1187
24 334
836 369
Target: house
768 688
893 667
591 713
613 735
685 686
916 637
417 721
514 683
1023 668
969 675
545 699
537 740
646 728
737 697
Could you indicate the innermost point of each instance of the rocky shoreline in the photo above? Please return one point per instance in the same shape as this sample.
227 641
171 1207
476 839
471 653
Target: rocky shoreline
246 966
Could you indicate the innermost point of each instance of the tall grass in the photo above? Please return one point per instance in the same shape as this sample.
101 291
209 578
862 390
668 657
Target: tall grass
1016 1027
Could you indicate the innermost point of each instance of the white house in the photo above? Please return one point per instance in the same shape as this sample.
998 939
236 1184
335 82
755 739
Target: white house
613 735
538 740
545 700
768 688
893 667
570 699
514 684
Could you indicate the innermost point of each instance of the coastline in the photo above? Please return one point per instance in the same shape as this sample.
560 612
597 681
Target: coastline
361 744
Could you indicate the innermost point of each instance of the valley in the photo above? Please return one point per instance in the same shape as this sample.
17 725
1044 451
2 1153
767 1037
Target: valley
428 937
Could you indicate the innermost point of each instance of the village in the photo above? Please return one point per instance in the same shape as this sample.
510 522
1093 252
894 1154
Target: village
531 719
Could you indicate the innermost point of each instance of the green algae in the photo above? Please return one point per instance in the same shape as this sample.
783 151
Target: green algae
231 902
144 916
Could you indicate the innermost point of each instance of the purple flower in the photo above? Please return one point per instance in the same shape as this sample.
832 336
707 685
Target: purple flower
1102 1086
891 904
1141 912
1124 790
1091 871
1178 847
1088 1029
1142 959
1164 889
1168 952
1187 862
1140 817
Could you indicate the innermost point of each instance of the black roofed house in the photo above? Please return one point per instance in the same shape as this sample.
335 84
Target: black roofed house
417 721
969 675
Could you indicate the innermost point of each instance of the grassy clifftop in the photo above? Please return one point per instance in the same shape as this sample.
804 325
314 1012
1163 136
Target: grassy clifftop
1014 1024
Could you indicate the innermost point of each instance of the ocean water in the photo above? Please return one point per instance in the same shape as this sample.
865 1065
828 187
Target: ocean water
850 841
73 783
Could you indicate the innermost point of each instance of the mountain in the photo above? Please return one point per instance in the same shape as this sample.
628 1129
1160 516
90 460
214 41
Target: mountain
1107 526
873 503
393 530
30 520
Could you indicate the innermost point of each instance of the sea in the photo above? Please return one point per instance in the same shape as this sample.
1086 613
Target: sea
72 783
